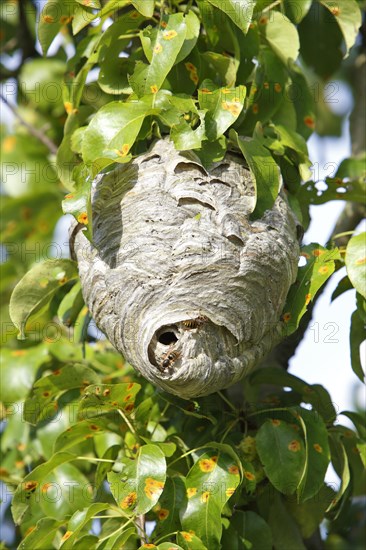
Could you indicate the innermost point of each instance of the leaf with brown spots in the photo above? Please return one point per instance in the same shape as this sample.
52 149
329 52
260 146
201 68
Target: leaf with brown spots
282 453
104 398
210 483
145 476
41 404
37 288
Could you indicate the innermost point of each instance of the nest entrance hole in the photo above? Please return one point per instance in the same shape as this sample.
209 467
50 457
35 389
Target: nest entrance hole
167 337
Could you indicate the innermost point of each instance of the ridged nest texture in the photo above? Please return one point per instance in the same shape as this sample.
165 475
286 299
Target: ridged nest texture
179 279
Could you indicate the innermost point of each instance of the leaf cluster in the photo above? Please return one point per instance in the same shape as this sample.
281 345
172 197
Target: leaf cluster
98 449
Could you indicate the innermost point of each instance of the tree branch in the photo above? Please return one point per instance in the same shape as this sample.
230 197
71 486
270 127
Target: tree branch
51 146
25 38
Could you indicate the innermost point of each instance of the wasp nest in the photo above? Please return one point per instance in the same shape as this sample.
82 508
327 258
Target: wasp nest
179 279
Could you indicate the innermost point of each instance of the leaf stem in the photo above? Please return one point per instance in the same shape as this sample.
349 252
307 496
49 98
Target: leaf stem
224 398
343 234
188 453
116 531
92 458
127 421
132 35
268 410
231 425
140 525
161 415
273 5
157 541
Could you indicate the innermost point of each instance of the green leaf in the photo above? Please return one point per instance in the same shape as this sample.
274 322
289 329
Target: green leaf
240 11
310 514
348 16
42 75
320 41
19 370
112 132
264 171
297 9
42 404
357 336
362 450
103 398
356 262
114 70
146 7
341 466
302 99
90 3
171 503
315 394
267 91
54 15
117 540
358 420
221 69
282 36
251 531
167 546
36 289
212 152
29 492
310 278
138 487
86 541
63 491
42 535
78 203
83 16
282 453
286 139
104 467
185 76
161 47
193 30
250 478
317 454
79 432
173 109
277 516
185 138
223 108
210 483
79 520
353 168
71 305
343 285
189 541
54 425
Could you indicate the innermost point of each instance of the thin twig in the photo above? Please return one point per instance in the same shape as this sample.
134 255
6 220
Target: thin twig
92 458
271 6
229 429
51 146
127 421
140 524
232 407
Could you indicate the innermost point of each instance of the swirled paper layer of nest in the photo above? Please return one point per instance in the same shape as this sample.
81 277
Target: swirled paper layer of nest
180 281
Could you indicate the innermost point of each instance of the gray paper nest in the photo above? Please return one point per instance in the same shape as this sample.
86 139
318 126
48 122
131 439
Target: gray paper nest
180 281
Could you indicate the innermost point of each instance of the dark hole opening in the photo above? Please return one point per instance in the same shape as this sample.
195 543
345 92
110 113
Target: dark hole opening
167 338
